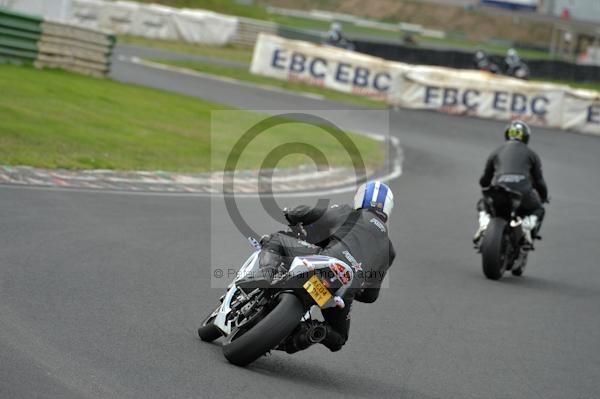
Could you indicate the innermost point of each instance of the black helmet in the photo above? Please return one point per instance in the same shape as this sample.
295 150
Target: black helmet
517 130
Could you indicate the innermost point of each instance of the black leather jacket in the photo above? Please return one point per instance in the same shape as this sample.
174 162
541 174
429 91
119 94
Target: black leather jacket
359 237
511 160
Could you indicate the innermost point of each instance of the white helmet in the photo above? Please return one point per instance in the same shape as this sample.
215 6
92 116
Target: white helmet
512 54
375 195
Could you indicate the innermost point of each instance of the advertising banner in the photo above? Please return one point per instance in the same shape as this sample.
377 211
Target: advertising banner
466 92
325 66
581 111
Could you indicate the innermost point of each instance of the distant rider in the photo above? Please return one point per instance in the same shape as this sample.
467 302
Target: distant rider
483 62
515 66
356 235
334 37
518 167
512 60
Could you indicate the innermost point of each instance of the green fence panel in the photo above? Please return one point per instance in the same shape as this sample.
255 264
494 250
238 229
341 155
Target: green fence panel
20 21
19 34
22 44
20 54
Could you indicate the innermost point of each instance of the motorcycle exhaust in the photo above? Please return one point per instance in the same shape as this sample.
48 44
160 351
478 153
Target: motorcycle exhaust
317 333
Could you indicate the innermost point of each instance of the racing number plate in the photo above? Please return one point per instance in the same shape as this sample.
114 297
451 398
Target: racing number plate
317 290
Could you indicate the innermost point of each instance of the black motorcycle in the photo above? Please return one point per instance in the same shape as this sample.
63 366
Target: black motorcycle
502 246
514 67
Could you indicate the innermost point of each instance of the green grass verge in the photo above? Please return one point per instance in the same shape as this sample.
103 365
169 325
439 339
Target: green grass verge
55 119
232 7
574 84
245 75
324 26
232 53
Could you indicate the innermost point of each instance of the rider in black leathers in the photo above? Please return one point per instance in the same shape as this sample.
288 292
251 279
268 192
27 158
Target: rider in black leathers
359 237
517 166
335 37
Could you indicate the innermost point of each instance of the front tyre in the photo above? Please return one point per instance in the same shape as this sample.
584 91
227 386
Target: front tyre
493 249
208 332
267 333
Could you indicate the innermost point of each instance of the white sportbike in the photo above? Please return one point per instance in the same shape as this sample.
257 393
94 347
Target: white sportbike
257 320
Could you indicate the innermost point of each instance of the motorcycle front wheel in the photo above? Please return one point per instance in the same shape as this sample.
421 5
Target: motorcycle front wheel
494 249
265 335
208 332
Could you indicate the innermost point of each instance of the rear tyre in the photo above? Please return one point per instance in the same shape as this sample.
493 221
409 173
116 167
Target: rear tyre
267 333
208 332
493 249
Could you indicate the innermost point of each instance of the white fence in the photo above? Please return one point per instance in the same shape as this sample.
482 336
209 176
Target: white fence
152 21
155 21
138 19
57 9
473 93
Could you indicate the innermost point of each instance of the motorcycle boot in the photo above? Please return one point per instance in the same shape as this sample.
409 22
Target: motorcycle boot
528 226
484 221
305 335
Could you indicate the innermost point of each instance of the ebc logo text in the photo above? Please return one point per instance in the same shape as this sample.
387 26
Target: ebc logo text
502 101
316 68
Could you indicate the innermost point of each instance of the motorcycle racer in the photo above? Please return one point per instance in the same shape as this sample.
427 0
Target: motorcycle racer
517 166
357 235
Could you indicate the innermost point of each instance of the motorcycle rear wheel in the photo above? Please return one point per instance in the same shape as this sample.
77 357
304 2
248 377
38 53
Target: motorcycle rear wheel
267 333
493 249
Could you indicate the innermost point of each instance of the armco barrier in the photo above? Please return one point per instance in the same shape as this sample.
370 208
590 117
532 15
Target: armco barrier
457 91
52 44
19 35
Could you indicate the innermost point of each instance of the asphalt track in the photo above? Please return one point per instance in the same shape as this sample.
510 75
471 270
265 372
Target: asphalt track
100 293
